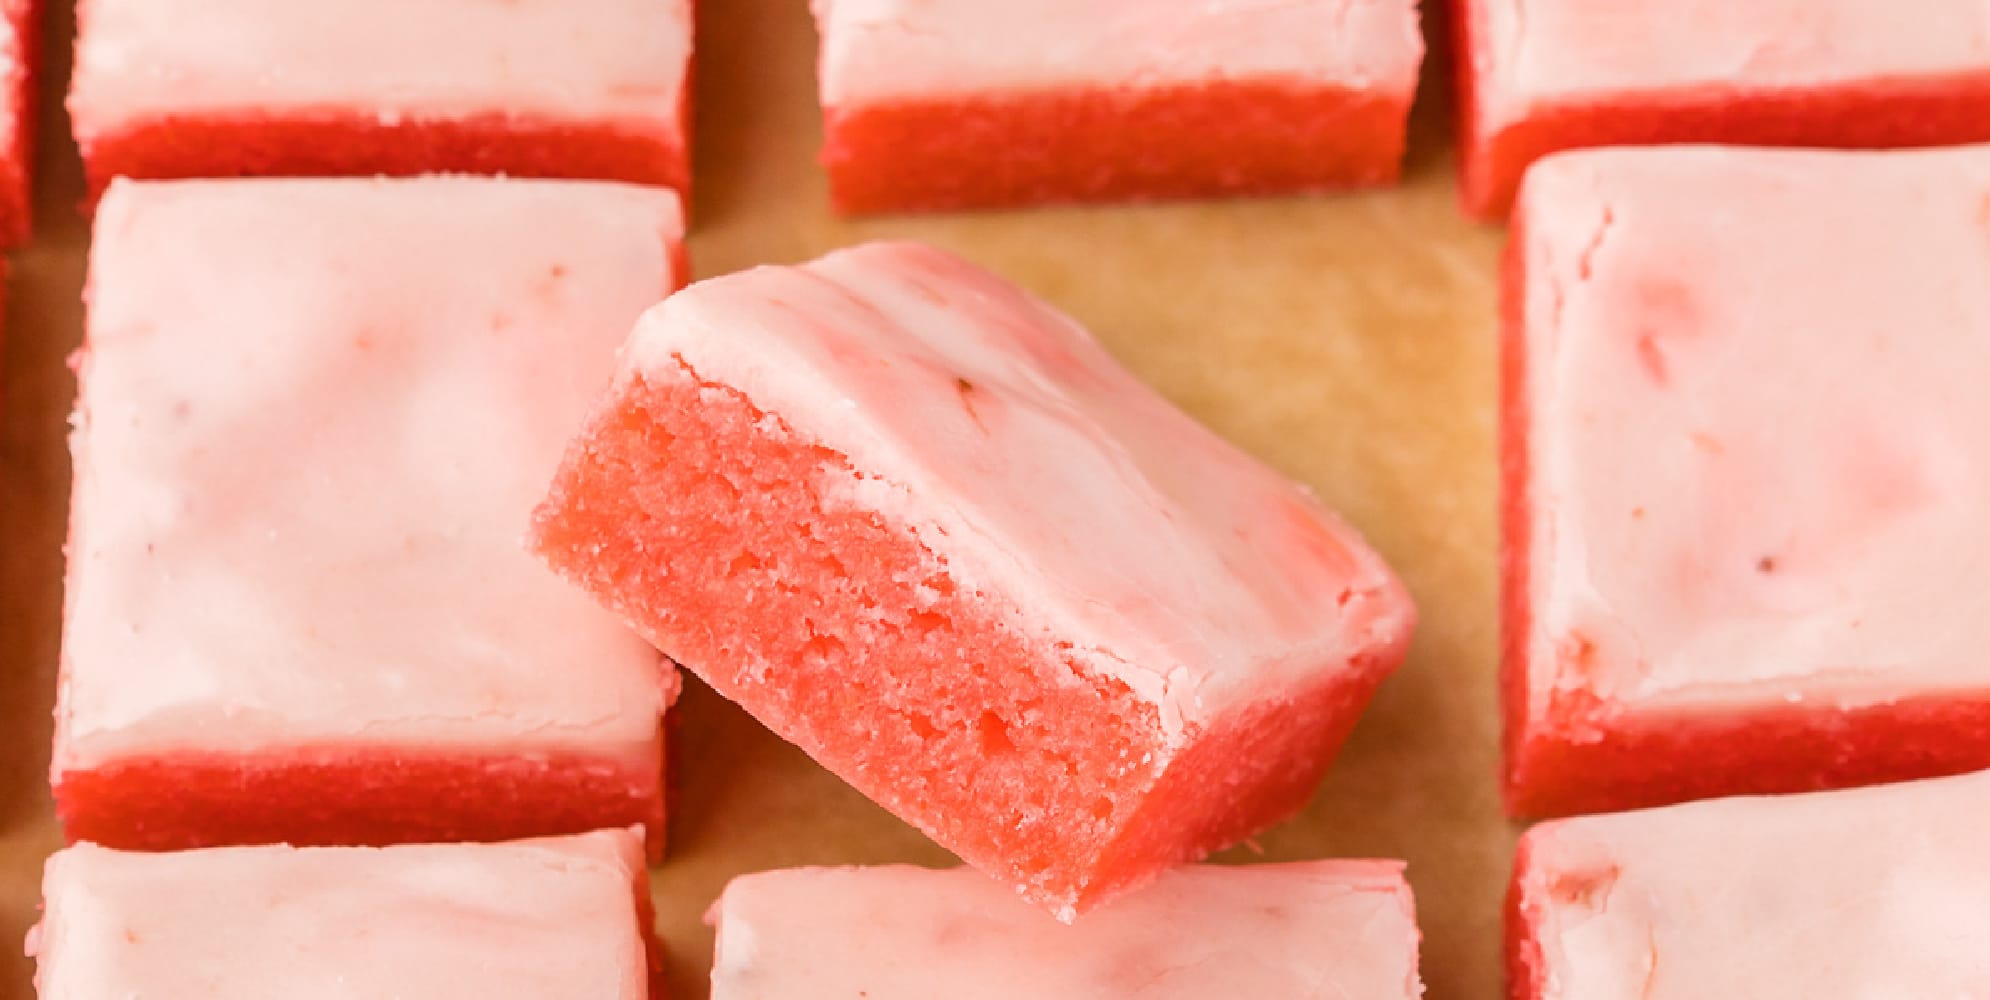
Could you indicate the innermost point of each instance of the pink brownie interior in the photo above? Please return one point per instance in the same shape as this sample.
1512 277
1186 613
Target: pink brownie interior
1878 115
1584 758
1223 138
1515 527
1525 969
654 947
1566 768
697 517
359 144
346 798
17 132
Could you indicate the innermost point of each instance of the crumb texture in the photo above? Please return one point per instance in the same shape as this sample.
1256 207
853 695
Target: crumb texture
712 525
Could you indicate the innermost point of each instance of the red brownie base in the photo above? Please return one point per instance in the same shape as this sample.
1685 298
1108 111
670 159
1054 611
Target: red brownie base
1225 138
342 798
654 948
355 144
1881 115
1588 761
1524 966
699 518
1587 756
17 142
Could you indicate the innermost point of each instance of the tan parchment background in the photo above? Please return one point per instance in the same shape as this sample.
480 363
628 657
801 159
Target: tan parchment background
1346 340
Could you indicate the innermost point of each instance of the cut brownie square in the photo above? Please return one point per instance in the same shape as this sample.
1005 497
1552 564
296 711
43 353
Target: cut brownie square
1746 451
20 47
589 89
531 919
1545 75
314 418
949 104
1344 929
922 525
1873 892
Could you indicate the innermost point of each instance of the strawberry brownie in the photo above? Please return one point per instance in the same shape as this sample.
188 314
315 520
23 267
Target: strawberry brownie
589 89
1746 455
531 919
924 526
1871 892
313 420
1544 75
950 104
1344 929
20 29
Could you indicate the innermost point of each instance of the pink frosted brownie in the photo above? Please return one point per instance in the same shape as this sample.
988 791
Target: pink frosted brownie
594 89
20 29
1746 458
944 104
533 919
314 417
921 524
1875 892
1342 929
1546 75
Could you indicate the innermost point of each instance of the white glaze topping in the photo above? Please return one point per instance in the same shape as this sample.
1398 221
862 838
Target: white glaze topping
1331 930
1761 445
314 419
881 50
531 920
565 60
1046 475
1870 894
1540 53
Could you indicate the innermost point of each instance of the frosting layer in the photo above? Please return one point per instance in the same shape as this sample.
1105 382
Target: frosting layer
885 50
1548 52
538 918
560 59
1311 929
1758 444
1043 473
314 419
1876 892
